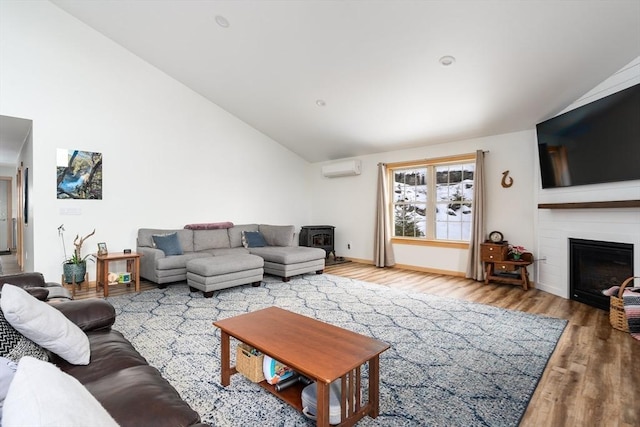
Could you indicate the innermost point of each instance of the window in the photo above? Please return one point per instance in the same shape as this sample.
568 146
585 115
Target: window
432 199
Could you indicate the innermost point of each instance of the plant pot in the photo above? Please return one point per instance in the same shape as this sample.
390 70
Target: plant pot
516 257
74 273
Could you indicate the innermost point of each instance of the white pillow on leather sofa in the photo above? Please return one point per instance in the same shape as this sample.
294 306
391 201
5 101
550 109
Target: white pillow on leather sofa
42 395
44 325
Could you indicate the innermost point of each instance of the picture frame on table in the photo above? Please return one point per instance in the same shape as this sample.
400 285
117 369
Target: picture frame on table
102 249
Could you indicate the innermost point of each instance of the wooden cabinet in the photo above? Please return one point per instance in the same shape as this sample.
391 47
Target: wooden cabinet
491 252
499 267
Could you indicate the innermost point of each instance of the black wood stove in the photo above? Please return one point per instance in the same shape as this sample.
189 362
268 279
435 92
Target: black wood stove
318 236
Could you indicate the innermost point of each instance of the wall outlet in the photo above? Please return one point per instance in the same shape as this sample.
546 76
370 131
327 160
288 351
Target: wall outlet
70 211
349 245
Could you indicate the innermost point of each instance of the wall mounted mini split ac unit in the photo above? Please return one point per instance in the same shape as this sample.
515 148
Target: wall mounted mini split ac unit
346 168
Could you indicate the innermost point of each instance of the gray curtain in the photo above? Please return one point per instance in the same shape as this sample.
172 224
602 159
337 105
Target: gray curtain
475 268
383 256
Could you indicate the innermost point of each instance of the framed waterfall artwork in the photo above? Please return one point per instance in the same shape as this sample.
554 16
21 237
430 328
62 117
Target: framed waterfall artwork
79 174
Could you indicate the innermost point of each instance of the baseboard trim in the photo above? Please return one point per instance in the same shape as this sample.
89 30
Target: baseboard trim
413 268
430 270
361 261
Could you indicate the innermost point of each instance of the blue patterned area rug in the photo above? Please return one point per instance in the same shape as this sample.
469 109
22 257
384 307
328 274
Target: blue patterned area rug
451 362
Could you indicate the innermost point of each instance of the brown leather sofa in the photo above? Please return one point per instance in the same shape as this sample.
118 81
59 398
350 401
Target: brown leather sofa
35 284
132 391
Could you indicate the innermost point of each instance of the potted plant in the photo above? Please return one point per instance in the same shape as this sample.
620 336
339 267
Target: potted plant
74 267
516 251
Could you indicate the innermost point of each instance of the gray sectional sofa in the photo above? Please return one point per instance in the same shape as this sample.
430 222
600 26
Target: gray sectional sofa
281 256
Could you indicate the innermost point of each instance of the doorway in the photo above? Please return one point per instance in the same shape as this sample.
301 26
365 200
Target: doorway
16 155
6 222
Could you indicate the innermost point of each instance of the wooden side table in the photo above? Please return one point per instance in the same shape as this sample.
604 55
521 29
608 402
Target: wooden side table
500 268
102 269
510 271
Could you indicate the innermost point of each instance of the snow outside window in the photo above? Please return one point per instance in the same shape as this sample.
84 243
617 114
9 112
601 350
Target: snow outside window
433 201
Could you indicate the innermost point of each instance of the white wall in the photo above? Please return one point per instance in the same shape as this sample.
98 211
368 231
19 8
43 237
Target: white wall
170 156
349 203
555 227
6 170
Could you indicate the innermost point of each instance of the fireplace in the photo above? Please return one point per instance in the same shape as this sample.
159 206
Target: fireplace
318 236
595 266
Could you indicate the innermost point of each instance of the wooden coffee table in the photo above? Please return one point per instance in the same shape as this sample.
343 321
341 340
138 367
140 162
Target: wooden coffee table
320 351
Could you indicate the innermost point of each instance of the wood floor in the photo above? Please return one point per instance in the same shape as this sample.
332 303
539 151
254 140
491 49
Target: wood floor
593 377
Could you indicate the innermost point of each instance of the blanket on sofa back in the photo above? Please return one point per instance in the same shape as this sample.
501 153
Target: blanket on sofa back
209 226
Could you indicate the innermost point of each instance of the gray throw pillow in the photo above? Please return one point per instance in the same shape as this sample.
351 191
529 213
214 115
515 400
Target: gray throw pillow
168 243
14 345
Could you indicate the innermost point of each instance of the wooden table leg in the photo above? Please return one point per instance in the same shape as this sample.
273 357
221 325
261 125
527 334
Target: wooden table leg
137 267
133 267
225 359
374 386
524 274
322 403
101 280
98 273
488 272
105 280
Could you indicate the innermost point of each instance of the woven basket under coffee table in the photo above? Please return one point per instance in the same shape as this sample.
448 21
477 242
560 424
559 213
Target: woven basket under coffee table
249 363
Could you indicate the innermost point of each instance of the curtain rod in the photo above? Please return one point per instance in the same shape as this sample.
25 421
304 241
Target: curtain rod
483 152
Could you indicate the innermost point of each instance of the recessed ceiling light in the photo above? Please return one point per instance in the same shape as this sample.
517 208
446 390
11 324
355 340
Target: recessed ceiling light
447 60
222 21
320 103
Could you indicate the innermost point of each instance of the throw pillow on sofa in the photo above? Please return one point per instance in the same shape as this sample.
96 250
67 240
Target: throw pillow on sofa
45 325
253 239
278 235
42 395
14 345
168 243
7 372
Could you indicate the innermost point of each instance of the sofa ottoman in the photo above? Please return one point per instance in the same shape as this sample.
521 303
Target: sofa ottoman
288 261
224 271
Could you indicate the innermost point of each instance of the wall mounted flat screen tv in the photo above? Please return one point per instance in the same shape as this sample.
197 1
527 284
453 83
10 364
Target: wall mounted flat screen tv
596 143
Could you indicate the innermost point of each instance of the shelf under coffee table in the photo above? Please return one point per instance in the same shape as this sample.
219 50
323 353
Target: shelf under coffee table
318 350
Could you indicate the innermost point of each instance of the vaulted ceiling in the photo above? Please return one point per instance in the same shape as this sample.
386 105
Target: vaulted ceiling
334 79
